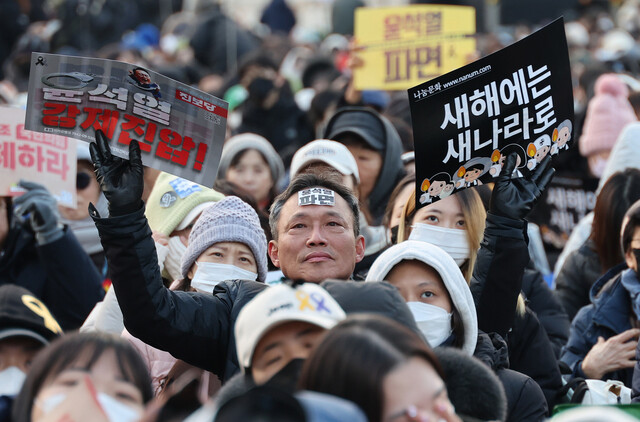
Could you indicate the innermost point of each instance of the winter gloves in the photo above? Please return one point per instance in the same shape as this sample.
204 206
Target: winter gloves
39 208
120 179
514 197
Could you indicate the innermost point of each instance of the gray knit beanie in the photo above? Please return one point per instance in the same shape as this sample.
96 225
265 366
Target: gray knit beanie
228 220
237 144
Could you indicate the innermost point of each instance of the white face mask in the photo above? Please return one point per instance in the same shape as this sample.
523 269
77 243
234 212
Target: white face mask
11 380
209 274
113 409
174 258
433 321
452 241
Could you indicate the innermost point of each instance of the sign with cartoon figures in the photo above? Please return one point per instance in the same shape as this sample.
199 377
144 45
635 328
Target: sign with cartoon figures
180 129
403 46
517 100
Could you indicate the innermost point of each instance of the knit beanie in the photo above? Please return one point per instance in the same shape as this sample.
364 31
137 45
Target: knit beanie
608 112
173 199
237 144
228 220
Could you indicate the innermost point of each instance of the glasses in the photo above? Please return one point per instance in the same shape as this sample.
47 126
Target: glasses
83 179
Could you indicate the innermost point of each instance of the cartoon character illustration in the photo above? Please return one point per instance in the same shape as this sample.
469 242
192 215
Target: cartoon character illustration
498 157
537 150
141 78
438 185
561 137
469 174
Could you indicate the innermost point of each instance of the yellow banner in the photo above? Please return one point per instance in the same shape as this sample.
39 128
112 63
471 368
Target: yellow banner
405 46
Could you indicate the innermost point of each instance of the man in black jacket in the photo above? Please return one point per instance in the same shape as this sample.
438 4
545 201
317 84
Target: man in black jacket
316 236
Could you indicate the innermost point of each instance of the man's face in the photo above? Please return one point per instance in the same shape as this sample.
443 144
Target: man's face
18 352
282 344
142 77
316 242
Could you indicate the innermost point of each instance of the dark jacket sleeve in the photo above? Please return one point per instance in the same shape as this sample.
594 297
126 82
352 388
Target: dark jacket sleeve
530 353
497 275
524 397
580 342
72 286
578 273
547 308
194 327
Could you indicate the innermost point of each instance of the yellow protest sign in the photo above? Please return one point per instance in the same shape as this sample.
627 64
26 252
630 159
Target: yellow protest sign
405 46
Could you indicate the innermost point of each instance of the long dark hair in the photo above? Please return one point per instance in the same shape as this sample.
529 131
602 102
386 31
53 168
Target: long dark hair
273 190
65 351
363 349
620 191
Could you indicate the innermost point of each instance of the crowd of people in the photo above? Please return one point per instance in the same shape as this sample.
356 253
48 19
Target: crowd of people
308 283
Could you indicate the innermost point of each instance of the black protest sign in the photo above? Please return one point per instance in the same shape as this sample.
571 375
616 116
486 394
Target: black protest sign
565 202
466 122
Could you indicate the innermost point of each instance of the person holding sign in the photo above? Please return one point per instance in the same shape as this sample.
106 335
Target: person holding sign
315 226
39 253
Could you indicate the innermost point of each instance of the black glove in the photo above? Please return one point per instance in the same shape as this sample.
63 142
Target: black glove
40 208
514 197
121 180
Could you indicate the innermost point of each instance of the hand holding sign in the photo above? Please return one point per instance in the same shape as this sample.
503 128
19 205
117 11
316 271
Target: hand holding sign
120 180
40 208
514 197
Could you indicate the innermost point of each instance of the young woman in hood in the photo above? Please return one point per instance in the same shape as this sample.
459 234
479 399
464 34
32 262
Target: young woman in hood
438 296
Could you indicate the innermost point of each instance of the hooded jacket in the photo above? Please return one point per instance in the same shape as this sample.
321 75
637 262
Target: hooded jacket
198 328
446 267
607 315
492 350
60 273
385 139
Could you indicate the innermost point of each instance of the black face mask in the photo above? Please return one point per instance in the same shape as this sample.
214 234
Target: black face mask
394 234
286 379
259 89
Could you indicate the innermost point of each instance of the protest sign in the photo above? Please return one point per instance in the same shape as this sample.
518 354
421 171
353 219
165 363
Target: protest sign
180 129
38 157
404 46
566 201
466 122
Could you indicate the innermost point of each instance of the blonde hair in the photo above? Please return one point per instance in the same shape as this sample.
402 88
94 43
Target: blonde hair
475 217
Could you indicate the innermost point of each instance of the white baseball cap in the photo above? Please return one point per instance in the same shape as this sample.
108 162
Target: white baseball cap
306 302
325 151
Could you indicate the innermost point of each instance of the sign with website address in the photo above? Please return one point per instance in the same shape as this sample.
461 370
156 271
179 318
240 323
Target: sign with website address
517 100
179 128
403 46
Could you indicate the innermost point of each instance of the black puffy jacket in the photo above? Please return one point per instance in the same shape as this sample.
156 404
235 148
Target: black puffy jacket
60 274
525 400
198 328
497 281
541 300
578 273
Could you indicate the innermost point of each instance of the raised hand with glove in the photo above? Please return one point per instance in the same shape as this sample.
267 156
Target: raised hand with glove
503 255
39 208
515 197
121 180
